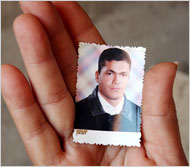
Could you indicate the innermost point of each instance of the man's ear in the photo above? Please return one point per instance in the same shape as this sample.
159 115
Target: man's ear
97 76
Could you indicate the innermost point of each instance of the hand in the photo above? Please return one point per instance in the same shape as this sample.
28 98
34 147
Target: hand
48 35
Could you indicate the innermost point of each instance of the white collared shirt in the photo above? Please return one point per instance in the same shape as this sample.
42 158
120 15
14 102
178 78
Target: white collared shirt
108 108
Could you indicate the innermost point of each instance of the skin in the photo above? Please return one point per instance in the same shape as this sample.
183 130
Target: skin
48 36
113 80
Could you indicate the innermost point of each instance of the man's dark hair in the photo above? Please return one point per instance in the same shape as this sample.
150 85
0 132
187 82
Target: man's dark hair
113 54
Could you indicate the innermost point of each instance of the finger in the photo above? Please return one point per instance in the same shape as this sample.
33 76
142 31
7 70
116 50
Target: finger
44 74
62 46
41 141
160 127
131 157
78 23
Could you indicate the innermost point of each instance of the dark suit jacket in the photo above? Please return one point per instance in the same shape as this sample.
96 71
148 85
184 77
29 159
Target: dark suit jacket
90 115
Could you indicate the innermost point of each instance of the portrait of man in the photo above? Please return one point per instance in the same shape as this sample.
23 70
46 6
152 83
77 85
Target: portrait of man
107 107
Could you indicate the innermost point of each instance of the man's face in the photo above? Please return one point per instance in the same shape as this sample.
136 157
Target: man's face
113 79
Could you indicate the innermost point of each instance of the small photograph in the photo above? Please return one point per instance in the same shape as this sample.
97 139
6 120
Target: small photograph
109 90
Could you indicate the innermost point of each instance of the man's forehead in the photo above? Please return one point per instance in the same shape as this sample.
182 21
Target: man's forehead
116 66
113 62
117 63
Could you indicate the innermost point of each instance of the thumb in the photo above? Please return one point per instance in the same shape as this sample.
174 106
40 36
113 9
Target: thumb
160 131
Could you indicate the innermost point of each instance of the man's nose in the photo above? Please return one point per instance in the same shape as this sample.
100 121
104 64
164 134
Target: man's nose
117 79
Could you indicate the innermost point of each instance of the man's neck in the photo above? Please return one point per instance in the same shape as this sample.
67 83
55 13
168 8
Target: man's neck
113 102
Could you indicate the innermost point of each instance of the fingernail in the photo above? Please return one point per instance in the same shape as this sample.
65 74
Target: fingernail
176 62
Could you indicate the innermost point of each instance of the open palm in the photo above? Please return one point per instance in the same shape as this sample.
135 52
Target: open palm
48 35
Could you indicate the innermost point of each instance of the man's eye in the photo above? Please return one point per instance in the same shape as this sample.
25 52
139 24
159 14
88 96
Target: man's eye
124 75
109 73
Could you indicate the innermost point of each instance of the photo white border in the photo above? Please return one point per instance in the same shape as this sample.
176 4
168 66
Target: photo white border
107 137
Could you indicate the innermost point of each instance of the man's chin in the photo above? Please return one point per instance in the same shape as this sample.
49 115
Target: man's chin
115 97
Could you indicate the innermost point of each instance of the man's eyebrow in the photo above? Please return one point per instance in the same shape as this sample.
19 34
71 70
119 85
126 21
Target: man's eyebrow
111 71
124 72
